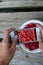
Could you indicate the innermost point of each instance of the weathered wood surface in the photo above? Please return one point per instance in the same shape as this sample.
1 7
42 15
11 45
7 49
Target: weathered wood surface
21 3
21 0
8 20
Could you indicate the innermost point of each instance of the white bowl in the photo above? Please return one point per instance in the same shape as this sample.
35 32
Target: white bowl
21 27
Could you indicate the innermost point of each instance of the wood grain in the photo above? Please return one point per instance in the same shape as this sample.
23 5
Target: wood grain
22 3
8 20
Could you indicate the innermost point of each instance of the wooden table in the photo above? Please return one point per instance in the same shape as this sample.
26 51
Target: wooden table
8 20
16 19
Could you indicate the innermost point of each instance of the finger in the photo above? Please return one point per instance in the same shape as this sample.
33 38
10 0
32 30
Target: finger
7 33
40 38
13 47
40 26
12 50
14 41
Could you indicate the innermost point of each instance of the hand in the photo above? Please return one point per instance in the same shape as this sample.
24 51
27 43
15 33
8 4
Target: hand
6 50
40 37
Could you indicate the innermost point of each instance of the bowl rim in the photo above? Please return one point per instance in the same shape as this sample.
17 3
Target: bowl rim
21 27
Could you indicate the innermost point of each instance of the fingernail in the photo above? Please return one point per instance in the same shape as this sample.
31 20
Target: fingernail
16 36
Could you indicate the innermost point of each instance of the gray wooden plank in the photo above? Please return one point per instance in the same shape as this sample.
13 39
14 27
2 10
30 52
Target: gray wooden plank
21 0
21 4
20 15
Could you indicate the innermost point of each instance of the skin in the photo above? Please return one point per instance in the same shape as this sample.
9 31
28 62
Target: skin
40 37
7 51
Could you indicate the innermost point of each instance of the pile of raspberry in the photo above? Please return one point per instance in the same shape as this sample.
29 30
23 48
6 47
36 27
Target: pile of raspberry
28 35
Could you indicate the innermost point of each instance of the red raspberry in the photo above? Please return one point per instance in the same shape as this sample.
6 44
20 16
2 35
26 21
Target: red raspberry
28 35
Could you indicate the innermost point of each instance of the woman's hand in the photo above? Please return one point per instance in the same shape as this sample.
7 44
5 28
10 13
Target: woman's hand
6 50
40 37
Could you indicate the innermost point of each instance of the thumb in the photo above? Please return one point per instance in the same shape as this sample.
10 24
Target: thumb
14 41
13 47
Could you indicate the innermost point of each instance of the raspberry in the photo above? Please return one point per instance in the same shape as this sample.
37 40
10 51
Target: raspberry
28 36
